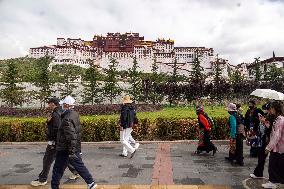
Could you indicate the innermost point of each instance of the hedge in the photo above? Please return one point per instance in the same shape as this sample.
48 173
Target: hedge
94 130
98 109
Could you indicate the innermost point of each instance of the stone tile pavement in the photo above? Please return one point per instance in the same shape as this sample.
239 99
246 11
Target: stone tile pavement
165 165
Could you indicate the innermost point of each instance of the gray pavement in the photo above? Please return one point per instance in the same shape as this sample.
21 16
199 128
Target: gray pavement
19 164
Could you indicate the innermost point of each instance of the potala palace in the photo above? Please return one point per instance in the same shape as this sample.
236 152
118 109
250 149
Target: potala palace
124 47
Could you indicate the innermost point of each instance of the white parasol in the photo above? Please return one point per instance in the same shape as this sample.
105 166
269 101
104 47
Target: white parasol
268 93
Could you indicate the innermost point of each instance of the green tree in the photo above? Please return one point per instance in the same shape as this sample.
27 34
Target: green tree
155 95
135 80
111 88
197 69
236 77
11 93
257 70
92 86
197 80
24 64
173 95
174 77
218 80
43 79
217 72
274 74
68 75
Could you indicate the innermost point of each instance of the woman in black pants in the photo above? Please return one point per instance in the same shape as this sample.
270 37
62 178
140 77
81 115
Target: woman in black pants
276 146
258 171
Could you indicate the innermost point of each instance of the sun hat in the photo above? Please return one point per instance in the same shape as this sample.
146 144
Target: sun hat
69 100
232 107
126 100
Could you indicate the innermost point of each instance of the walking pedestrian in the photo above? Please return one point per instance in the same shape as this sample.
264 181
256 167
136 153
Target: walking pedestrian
252 127
205 127
232 110
266 122
127 120
53 123
276 147
68 146
240 135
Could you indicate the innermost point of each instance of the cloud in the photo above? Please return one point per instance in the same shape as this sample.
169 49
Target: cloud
238 30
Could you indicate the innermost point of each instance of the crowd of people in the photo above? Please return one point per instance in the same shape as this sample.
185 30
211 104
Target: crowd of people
64 145
262 129
64 141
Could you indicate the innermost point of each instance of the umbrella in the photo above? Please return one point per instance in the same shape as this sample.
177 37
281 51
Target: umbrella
268 93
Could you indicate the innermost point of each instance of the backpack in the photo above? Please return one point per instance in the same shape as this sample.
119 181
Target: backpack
240 125
211 122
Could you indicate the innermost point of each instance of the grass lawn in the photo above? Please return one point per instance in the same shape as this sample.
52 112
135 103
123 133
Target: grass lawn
170 112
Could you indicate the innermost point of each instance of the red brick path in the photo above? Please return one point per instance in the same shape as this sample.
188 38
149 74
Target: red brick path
163 169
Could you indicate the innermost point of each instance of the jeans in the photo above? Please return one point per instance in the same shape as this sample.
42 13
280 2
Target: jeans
61 162
49 157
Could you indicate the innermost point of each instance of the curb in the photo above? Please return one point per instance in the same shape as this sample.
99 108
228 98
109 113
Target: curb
116 142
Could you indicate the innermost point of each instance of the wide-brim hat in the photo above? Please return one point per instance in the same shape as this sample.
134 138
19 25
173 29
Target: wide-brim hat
126 100
69 100
232 107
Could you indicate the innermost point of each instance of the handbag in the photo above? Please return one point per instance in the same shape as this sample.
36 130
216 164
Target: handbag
241 129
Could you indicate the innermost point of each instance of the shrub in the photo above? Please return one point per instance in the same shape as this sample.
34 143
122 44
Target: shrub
107 129
98 109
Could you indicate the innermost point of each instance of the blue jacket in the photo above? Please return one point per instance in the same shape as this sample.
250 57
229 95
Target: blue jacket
233 125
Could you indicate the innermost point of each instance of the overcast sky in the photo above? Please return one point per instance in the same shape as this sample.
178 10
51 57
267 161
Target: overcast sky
238 30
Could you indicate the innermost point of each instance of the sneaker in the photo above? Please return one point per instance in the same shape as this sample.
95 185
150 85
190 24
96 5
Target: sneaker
38 183
229 159
198 152
136 146
92 185
240 164
74 176
269 185
131 156
255 177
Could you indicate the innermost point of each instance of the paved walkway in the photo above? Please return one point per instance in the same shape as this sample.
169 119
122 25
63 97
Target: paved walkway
163 164
68 186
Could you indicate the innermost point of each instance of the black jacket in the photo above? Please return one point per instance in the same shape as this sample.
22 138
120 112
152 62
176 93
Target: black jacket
69 133
268 131
53 124
128 116
253 120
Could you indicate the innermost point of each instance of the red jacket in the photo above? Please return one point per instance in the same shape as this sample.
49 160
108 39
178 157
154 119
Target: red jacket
204 122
